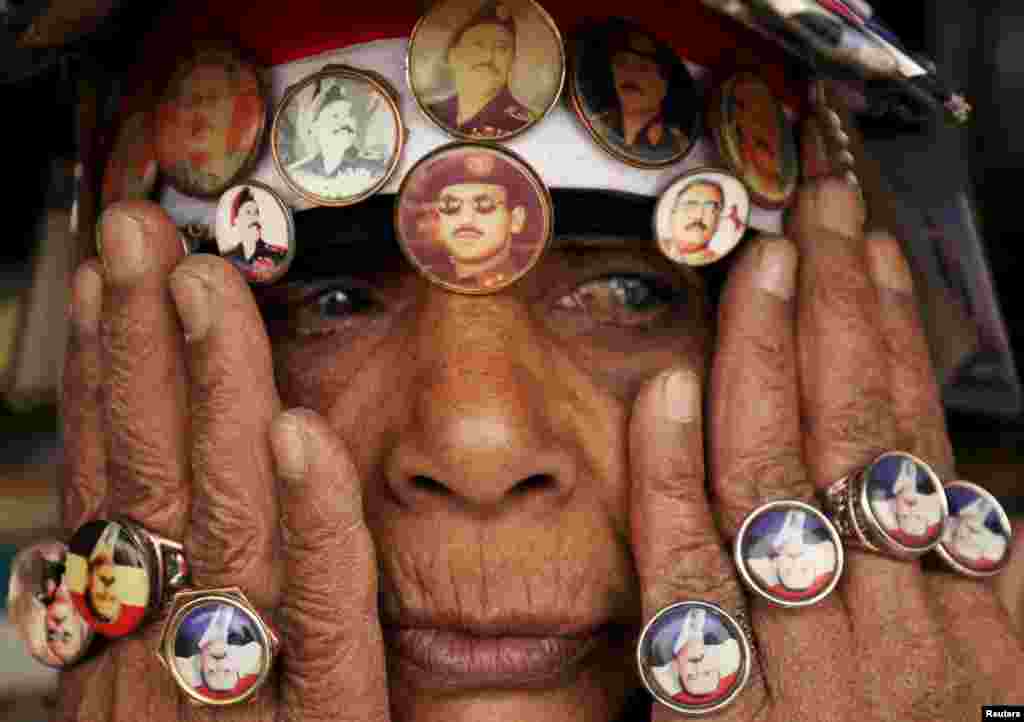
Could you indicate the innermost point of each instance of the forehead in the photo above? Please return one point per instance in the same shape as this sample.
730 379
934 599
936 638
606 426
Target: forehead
700 189
472 190
486 32
207 74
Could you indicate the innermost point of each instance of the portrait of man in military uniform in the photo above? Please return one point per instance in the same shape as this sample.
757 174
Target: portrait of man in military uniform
245 240
637 94
475 221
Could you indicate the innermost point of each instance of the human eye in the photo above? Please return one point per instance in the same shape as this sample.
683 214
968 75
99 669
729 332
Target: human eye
331 309
632 300
449 206
484 204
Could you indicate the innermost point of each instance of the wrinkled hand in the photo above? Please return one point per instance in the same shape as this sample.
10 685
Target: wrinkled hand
820 365
182 437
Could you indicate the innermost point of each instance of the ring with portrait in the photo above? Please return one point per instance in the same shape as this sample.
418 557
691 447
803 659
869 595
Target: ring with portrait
633 94
906 500
473 218
40 608
337 135
977 538
255 232
694 657
486 69
701 216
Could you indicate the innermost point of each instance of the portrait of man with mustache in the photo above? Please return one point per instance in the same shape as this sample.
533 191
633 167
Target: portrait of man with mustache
252 253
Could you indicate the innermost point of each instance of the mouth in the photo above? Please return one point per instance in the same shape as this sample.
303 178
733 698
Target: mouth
491 656
468 234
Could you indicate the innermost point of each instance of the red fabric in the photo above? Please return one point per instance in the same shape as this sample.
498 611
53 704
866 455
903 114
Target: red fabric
244 683
724 685
915 540
793 596
126 623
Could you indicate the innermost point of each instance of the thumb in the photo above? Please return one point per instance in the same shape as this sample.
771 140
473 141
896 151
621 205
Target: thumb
332 647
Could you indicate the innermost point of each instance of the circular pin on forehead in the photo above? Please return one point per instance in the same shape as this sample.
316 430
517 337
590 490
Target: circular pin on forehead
694 657
701 216
633 94
255 232
217 649
473 218
902 503
109 577
337 135
977 537
40 608
132 167
789 553
755 138
210 122
486 69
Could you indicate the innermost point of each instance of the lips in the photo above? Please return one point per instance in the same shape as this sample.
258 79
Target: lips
459 658
468 234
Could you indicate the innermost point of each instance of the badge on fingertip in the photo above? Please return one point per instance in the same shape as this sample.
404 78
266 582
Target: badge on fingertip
701 216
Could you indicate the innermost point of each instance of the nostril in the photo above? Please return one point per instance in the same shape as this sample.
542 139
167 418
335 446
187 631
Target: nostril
537 482
425 483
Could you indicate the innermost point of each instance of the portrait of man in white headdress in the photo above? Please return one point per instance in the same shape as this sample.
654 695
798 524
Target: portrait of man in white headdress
789 553
906 503
704 661
338 137
974 533
217 652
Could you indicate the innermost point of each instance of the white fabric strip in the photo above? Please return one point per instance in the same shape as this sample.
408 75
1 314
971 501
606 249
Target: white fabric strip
558 147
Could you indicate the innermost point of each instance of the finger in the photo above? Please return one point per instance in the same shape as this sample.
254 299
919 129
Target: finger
333 651
147 458
84 488
756 456
232 399
917 404
678 549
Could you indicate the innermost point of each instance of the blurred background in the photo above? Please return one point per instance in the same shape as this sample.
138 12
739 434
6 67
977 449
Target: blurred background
956 210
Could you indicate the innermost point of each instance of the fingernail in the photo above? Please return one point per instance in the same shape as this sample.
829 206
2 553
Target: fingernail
681 396
86 300
888 265
192 297
839 207
122 246
776 271
289 443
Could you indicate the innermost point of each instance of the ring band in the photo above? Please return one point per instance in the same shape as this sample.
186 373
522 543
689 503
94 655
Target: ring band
977 538
893 506
789 553
119 574
694 657
217 646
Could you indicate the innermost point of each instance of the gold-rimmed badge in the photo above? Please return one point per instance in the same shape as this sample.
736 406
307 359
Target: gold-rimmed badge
486 69
473 218
337 135
701 216
210 122
633 94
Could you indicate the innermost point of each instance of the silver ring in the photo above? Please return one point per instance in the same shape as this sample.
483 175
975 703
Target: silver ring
977 537
119 574
893 506
694 657
789 553
217 646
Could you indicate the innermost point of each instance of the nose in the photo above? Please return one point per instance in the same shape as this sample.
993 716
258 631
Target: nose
483 432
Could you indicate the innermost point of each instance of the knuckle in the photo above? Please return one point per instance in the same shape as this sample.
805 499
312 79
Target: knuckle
773 474
861 423
844 292
223 541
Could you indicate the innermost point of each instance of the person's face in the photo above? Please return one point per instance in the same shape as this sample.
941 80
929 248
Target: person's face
502 420
638 83
103 591
219 669
697 672
758 128
63 629
483 57
970 537
475 222
247 222
912 509
795 565
695 216
335 128
207 99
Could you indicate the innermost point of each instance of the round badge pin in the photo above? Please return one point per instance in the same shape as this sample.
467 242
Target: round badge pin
210 122
131 169
40 609
217 647
694 657
118 573
789 553
337 135
701 216
473 218
255 231
633 94
486 70
977 537
755 138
